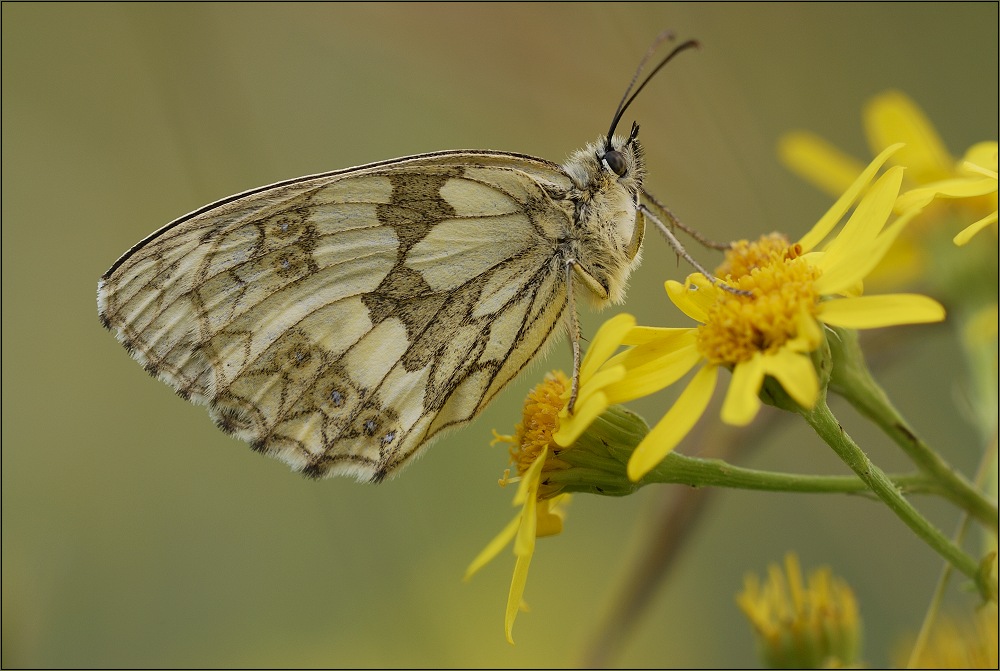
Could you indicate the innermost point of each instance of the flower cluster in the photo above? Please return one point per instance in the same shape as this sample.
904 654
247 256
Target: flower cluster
780 317
967 186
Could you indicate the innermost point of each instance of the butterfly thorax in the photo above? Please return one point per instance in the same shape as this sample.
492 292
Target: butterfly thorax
607 233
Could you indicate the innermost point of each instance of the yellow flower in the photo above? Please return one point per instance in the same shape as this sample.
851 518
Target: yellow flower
792 291
931 170
545 433
799 624
978 179
532 453
958 643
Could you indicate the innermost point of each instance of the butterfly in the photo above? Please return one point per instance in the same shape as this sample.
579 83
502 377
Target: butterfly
341 321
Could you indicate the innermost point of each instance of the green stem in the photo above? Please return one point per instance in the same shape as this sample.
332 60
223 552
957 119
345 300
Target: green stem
852 379
694 472
825 424
596 464
936 600
939 591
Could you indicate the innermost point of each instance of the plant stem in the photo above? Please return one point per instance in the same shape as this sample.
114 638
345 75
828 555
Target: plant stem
938 597
825 424
852 379
692 471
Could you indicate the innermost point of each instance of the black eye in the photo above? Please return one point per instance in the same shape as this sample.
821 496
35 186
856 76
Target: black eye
615 161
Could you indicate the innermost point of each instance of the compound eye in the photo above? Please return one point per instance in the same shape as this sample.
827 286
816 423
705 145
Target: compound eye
616 162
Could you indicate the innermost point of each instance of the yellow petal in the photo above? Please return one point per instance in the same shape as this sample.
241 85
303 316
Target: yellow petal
596 383
817 161
892 117
528 487
571 428
916 198
675 424
743 397
605 342
494 547
796 374
524 541
697 282
809 334
844 276
836 212
966 234
984 155
515 595
981 327
559 504
648 375
867 221
868 312
690 299
644 335
550 518
959 187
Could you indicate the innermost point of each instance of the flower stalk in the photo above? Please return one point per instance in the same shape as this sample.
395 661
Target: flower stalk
822 420
597 465
692 471
853 380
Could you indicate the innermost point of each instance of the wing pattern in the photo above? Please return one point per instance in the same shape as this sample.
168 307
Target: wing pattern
341 321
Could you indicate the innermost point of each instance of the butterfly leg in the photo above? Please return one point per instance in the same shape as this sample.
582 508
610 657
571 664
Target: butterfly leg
681 252
573 326
674 221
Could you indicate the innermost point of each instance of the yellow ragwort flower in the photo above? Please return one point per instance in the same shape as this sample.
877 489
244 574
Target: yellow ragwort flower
977 179
531 453
889 118
802 624
792 290
957 643
547 430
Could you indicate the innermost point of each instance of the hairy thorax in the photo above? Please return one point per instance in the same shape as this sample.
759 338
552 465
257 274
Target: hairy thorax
607 230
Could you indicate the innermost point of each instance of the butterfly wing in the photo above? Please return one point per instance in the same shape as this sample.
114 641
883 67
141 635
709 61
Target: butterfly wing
340 321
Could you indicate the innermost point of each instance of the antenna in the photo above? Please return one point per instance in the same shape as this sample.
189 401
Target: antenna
626 100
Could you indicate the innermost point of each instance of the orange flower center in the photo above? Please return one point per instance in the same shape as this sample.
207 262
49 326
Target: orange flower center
782 285
539 421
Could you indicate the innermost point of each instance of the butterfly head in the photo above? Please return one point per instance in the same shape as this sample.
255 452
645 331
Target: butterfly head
621 159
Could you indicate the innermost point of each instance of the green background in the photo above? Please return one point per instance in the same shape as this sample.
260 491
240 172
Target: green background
136 534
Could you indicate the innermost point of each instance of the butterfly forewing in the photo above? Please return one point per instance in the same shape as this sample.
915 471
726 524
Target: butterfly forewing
340 321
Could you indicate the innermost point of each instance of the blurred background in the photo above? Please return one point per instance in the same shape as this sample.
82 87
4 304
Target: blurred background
137 534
